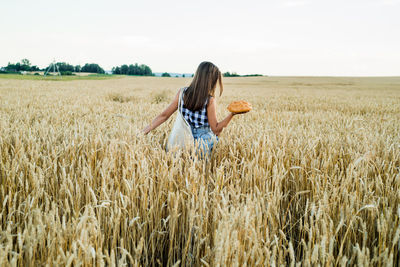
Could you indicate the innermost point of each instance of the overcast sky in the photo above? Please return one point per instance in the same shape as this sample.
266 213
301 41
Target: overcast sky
289 37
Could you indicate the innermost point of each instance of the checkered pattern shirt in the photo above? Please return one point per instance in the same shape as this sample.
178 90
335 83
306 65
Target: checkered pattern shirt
196 119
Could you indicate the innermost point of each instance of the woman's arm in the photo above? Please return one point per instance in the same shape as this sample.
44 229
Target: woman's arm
216 126
163 116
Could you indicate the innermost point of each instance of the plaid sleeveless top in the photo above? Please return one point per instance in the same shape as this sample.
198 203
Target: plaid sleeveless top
196 119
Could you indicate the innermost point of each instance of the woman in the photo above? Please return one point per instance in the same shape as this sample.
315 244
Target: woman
198 106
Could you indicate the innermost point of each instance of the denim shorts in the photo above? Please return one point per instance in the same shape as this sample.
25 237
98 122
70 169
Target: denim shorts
205 138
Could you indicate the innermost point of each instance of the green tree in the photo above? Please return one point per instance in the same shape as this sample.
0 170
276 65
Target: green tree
233 74
26 62
124 69
136 70
35 68
24 65
12 67
116 70
92 67
165 74
146 70
133 69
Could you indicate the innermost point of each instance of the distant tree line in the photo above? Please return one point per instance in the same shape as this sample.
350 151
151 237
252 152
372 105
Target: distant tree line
63 67
67 69
234 74
142 70
251 75
24 65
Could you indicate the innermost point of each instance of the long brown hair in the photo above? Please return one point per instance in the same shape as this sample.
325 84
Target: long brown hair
203 86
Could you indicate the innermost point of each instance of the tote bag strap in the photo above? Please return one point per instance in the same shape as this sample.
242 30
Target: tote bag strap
180 100
180 104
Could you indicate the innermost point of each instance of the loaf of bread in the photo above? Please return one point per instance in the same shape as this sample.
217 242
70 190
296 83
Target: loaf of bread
239 107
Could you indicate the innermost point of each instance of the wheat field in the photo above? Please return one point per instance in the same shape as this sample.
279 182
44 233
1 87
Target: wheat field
310 176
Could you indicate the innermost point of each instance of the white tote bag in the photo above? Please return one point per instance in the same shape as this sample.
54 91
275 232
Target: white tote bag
181 134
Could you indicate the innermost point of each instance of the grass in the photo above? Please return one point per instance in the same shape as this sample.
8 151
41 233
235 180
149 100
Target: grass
58 78
311 175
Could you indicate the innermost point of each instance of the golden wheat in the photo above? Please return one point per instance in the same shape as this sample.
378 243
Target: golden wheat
310 175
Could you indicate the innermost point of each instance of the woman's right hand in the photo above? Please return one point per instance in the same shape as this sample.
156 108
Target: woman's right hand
239 113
